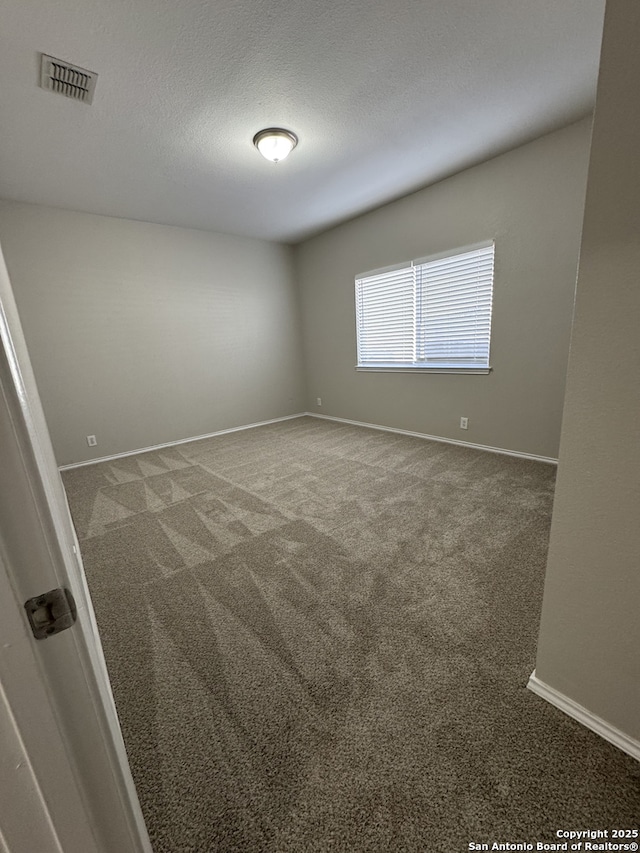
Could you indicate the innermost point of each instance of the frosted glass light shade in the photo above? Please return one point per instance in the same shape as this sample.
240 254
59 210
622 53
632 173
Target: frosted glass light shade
275 143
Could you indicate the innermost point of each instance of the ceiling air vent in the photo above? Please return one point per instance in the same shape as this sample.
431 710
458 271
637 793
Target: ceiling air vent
66 79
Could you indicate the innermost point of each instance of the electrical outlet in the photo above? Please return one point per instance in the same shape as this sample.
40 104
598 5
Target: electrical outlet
92 440
464 423
319 401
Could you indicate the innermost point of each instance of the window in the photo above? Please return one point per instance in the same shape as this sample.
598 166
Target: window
431 314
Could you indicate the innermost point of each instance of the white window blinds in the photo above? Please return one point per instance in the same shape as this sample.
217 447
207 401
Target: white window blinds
433 313
386 310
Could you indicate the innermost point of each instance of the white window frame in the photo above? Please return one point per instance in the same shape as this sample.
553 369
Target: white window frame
415 345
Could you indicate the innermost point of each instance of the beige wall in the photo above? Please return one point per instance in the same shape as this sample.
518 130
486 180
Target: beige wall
589 646
142 334
531 201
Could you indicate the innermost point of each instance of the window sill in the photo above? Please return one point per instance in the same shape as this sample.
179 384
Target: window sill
465 370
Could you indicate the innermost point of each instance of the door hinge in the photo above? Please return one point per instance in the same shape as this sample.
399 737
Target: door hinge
51 613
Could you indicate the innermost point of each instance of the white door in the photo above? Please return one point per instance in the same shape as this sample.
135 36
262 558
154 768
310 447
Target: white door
65 784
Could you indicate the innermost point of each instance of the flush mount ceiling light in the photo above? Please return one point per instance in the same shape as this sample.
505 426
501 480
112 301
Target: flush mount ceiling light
275 143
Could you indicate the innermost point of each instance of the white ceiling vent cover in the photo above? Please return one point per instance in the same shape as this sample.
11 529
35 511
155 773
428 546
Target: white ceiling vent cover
66 79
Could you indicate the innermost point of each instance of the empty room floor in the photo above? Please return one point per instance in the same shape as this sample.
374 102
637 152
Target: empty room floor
319 638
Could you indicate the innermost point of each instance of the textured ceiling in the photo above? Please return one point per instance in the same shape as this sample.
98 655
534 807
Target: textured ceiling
385 95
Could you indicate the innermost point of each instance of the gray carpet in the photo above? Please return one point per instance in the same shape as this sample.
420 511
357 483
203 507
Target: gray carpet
319 638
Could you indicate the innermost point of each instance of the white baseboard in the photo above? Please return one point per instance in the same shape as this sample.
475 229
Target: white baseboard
173 443
585 717
547 459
